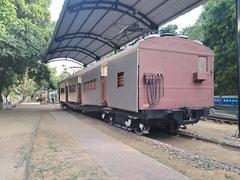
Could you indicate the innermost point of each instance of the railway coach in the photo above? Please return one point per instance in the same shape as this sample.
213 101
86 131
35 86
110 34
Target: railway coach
226 100
157 82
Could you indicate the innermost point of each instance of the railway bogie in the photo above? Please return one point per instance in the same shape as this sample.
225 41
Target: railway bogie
158 82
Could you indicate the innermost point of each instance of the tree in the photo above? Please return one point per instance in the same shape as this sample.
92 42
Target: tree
216 28
10 76
55 79
27 87
171 28
220 35
194 32
25 30
64 75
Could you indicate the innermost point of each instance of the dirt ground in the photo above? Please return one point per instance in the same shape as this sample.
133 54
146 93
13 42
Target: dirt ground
168 159
55 154
15 129
215 130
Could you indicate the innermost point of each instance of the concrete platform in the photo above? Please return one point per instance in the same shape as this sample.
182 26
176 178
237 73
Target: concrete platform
115 157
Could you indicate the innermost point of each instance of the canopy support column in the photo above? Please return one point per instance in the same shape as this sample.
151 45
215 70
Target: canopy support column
238 59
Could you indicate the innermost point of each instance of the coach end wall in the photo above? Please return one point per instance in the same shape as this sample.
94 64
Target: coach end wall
125 97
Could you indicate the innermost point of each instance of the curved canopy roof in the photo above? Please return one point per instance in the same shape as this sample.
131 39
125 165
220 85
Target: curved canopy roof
89 29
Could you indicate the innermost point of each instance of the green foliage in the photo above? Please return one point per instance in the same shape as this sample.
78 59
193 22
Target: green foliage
195 32
25 30
171 28
64 75
219 24
55 79
216 28
26 86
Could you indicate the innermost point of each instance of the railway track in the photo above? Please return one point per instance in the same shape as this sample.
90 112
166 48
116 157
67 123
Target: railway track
222 119
194 159
184 134
217 141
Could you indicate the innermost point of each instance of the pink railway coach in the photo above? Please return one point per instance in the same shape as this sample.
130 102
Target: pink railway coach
158 82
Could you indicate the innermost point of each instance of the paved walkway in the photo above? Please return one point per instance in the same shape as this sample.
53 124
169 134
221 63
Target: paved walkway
115 157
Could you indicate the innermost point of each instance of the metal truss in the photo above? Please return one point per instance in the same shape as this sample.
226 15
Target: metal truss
89 36
76 49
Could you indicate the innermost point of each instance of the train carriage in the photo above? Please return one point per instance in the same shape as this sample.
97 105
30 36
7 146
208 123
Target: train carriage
160 81
62 92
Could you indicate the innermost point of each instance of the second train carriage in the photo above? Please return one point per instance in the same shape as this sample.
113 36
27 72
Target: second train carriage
161 81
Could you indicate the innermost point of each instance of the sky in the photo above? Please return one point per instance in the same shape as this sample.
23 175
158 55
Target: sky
185 20
55 9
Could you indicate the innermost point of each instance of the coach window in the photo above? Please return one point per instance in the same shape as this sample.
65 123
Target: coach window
120 79
202 64
104 70
62 90
72 88
90 85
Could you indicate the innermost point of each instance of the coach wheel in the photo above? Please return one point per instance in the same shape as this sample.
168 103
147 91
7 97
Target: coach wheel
173 128
110 120
141 129
103 116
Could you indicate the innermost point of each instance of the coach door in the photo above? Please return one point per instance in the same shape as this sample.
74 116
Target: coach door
103 84
66 88
79 93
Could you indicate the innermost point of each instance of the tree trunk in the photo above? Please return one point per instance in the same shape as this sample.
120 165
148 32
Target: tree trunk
1 100
6 101
19 102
